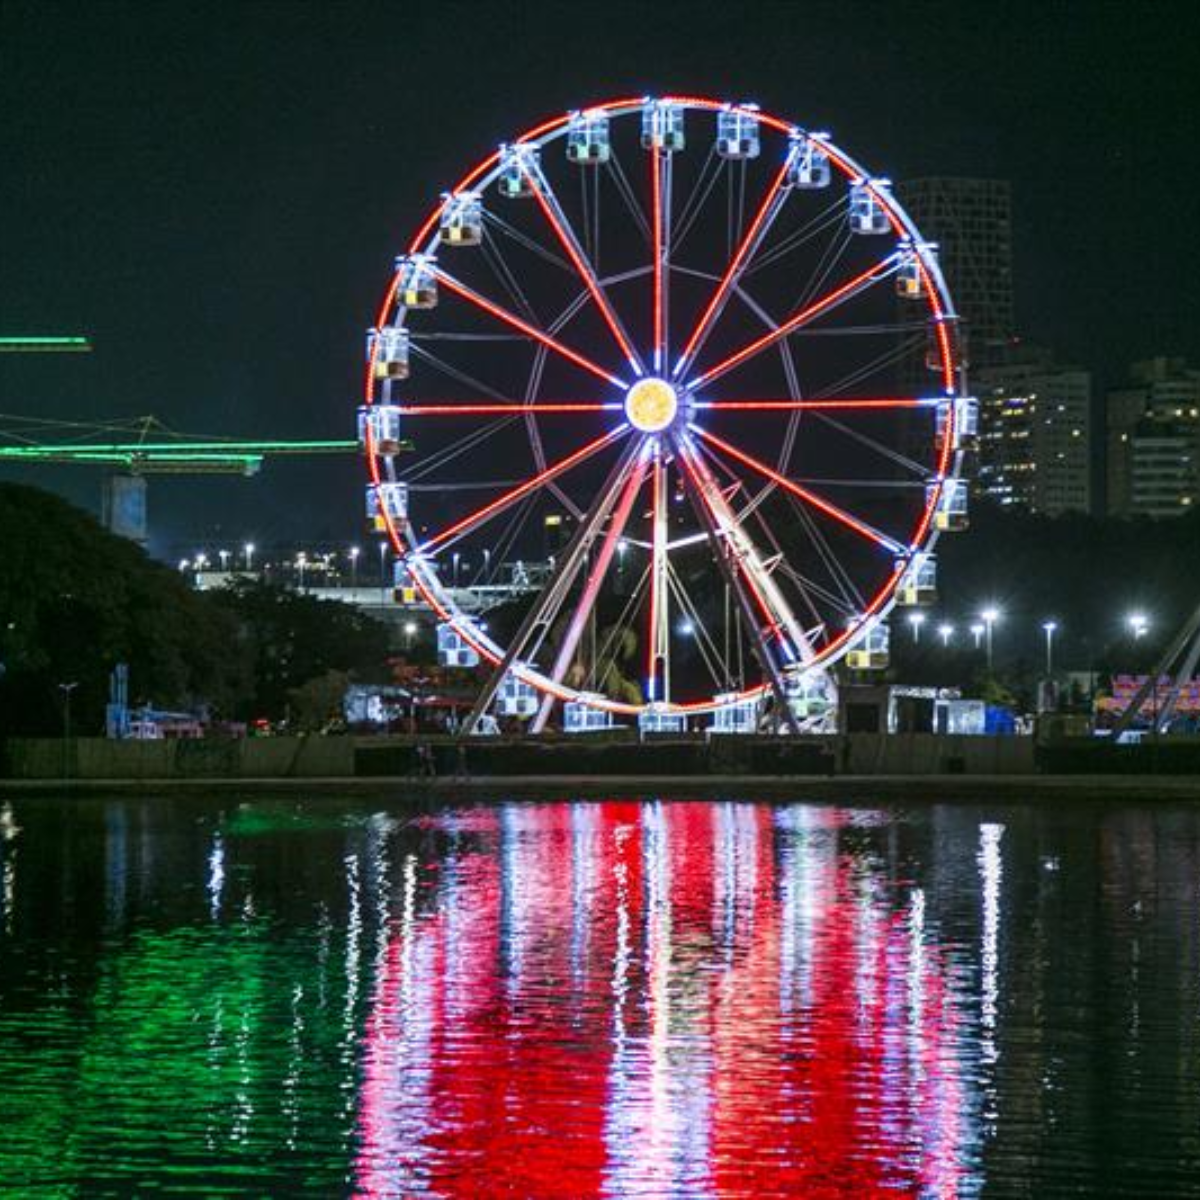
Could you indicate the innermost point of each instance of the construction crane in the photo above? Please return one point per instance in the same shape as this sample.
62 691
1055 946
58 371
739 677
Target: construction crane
139 447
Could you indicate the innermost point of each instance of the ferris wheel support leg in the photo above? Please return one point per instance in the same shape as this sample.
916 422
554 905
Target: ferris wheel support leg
723 557
591 589
542 610
658 664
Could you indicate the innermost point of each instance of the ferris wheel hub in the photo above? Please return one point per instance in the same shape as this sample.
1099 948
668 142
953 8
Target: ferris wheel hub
651 404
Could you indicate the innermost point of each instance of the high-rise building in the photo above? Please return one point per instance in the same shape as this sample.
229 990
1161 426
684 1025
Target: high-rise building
1035 433
1153 440
970 220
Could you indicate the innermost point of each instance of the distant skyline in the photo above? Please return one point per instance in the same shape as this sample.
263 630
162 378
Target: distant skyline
215 192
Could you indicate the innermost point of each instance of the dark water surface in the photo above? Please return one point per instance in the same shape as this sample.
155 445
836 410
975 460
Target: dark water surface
623 998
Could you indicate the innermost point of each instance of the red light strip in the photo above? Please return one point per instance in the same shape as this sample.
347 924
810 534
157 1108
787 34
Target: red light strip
803 405
569 244
522 489
802 493
867 277
658 544
494 410
748 245
656 195
502 314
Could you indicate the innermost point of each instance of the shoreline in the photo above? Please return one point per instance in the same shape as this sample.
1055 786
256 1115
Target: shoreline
915 788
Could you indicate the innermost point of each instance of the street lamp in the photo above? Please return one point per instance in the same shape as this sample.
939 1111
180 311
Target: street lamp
248 550
989 616
487 564
622 546
354 566
1049 628
915 621
1139 625
454 559
383 549
301 563
686 628
224 560
977 634
410 630
945 632
201 561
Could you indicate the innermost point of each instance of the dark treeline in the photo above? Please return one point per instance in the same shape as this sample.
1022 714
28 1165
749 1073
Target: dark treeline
76 600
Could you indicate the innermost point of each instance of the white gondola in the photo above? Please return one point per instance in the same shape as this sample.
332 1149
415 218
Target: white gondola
872 652
662 126
810 167
379 429
867 213
656 719
737 132
516 698
910 282
387 352
416 286
918 585
966 421
518 166
387 503
581 717
404 587
453 649
588 141
734 715
809 695
462 219
952 511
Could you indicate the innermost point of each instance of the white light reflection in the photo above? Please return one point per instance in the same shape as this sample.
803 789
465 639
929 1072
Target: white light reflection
216 876
9 829
991 876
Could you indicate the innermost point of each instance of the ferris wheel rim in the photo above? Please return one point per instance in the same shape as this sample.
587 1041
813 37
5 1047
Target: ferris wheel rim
922 540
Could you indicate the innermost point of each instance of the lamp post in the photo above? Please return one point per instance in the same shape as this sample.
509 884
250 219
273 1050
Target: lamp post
945 632
248 551
301 563
410 630
977 634
915 621
1139 625
224 560
354 567
383 549
989 616
1049 628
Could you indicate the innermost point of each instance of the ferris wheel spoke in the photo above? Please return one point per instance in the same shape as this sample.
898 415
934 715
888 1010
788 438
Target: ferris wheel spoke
727 554
849 404
547 200
472 521
772 202
537 620
531 331
658 630
469 409
801 493
596 576
851 288
657 170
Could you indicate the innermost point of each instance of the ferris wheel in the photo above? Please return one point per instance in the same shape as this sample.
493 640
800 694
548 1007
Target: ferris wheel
686 377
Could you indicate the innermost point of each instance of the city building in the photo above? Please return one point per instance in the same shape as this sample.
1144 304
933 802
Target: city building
1034 433
1153 440
970 220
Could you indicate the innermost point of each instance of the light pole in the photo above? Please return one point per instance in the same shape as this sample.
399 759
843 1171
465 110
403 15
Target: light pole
383 549
301 563
990 616
353 567
487 564
410 630
977 634
945 632
1139 625
454 576
248 551
224 560
915 621
1049 628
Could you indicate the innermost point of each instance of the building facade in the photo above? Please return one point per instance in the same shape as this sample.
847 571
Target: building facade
1035 433
1153 440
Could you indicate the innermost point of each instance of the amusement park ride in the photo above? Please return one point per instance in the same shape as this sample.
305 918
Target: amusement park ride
674 319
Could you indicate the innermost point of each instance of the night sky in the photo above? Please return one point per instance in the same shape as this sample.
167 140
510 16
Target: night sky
215 192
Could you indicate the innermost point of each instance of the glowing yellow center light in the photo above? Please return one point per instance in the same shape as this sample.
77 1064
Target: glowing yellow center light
651 405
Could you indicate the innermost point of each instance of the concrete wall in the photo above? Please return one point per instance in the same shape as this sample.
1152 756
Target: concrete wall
253 758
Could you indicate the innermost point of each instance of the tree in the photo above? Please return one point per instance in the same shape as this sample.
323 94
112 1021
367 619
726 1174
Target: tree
76 600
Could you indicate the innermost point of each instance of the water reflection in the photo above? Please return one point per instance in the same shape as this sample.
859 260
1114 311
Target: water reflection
623 998
653 999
